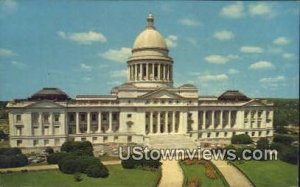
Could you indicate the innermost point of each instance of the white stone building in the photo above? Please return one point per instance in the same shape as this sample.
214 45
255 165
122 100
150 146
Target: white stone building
147 109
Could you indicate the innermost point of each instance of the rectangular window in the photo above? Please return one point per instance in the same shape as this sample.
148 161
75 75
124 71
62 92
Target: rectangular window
57 141
35 142
82 117
71 117
94 117
208 135
56 117
129 139
46 142
46 117
105 139
83 139
19 143
18 118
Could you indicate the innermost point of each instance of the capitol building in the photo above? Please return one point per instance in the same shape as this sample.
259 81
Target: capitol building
147 110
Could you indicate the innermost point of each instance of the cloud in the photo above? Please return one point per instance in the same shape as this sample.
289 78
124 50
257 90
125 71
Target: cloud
262 65
213 77
189 22
85 38
281 41
85 67
233 71
192 41
233 11
260 9
272 79
19 65
8 5
224 35
219 59
6 52
87 78
171 41
288 55
251 49
117 55
120 73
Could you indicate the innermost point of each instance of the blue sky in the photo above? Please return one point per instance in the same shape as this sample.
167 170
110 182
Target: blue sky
82 46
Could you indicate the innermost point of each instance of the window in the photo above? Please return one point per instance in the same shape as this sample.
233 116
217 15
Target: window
71 117
94 117
208 135
259 133
162 102
217 134
129 139
253 133
18 118
225 134
147 102
115 116
128 115
19 143
82 117
116 138
104 117
83 139
57 141
46 117
35 117
246 114
105 138
170 102
129 101
35 142
268 132
56 117
94 138
46 142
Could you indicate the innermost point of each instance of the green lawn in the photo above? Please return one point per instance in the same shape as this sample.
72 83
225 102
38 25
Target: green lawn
118 177
198 170
270 173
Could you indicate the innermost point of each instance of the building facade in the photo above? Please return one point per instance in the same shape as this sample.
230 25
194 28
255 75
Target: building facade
146 110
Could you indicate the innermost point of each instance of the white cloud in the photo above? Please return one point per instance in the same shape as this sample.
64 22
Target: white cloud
117 55
234 11
233 71
86 38
262 65
18 64
85 67
288 55
281 41
260 9
8 5
120 73
6 52
272 79
189 22
86 78
172 40
213 77
220 59
251 49
224 35
192 41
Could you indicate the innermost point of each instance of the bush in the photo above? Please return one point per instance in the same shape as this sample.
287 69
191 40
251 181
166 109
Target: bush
289 154
10 151
97 171
287 140
56 157
13 161
49 150
262 143
132 163
77 177
241 139
78 148
68 166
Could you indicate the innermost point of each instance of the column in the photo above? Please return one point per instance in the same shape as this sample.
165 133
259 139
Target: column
99 122
88 122
158 73
41 123
173 122
229 117
212 119
147 72
167 73
141 72
110 122
151 123
158 122
163 70
256 118
166 122
221 119
171 73
77 123
152 78
135 72
204 119
50 123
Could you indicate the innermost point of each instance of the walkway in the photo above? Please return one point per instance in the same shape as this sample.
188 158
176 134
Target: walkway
172 175
232 175
50 167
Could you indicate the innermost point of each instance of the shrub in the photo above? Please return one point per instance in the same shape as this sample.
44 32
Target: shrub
262 143
132 163
129 164
289 154
97 171
287 140
68 166
78 148
56 157
13 161
49 150
241 139
10 151
77 177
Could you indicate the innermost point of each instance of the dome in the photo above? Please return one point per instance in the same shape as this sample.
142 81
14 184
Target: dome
150 37
50 94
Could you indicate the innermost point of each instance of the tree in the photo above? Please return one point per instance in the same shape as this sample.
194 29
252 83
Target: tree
241 139
262 143
287 140
49 150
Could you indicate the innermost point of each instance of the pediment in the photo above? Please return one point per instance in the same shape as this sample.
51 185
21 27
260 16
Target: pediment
254 103
45 104
161 94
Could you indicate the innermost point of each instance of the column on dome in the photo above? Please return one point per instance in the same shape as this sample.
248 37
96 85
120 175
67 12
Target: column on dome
135 72
163 70
152 75
147 71
158 72
168 73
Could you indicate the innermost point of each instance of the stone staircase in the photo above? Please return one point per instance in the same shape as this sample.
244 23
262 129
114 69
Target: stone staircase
176 141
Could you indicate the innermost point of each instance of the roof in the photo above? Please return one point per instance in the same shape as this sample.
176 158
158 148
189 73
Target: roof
233 95
50 94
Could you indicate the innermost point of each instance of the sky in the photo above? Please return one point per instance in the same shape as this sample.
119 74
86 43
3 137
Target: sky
81 47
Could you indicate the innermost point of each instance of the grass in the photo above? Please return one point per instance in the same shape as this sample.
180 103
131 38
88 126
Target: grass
108 158
118 177
270 173
198 170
